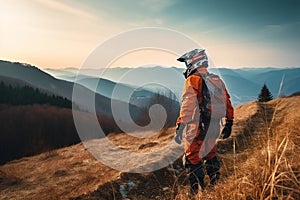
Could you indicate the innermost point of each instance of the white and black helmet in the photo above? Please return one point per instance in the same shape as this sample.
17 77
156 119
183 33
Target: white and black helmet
193 60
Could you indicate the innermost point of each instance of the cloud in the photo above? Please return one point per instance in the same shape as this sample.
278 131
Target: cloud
66 8
282 32
156 5
273 28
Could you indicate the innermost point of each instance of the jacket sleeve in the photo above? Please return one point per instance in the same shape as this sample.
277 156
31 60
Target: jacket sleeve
229 108
189 105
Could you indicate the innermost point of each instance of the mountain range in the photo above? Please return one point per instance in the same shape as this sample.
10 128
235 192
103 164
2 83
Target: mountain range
89 88
30 126
244 84
35 77
138 86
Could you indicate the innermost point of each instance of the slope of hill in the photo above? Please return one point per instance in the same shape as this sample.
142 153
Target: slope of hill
44 81
260 161
39 79
139 96
26 95
36 77
32 129
14 82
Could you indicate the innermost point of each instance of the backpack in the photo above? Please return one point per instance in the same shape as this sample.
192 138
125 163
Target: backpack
213 105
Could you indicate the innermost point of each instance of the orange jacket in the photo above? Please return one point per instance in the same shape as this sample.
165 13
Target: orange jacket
189 113
192 97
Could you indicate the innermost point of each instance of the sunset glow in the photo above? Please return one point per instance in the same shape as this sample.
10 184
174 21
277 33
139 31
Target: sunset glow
57 34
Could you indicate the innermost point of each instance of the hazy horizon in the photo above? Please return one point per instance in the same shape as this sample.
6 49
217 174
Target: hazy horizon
150 66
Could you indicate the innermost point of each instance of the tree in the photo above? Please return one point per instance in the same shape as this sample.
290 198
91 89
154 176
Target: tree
26 95
265 95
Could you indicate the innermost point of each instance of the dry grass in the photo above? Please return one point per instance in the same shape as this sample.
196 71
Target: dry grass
260 161
57 174
269 170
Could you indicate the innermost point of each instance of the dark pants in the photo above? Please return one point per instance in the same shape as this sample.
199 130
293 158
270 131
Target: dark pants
196 172
212 169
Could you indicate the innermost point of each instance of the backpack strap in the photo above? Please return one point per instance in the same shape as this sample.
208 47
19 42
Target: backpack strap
205 113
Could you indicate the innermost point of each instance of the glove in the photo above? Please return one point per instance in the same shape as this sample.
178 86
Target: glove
178 135
226 132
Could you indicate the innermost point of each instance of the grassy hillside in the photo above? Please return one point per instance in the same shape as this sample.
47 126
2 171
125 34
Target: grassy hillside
32 129
259 161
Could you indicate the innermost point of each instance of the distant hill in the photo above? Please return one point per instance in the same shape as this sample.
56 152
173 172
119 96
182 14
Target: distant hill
244 84
44 81
155 79
139 96
35 77
41 80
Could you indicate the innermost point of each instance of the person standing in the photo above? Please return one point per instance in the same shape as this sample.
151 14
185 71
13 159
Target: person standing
205 101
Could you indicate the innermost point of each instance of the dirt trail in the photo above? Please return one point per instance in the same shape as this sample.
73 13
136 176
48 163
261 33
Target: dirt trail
57 174
72 171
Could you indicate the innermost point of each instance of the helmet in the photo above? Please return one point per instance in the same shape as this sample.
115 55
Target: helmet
193 60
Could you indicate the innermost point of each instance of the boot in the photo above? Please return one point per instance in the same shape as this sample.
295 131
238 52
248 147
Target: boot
196 176
212 169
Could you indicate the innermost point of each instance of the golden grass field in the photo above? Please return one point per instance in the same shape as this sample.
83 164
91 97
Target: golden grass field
259 161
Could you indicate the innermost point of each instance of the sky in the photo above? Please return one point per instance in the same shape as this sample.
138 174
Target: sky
235 33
